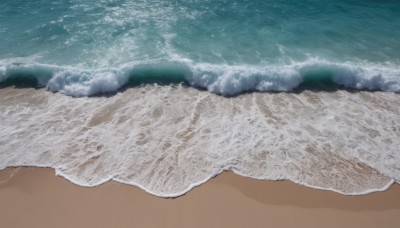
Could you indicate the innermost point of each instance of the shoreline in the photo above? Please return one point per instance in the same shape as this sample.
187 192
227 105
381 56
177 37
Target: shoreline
36 197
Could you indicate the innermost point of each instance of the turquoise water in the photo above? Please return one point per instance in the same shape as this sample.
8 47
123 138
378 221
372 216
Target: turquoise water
226 47
317 123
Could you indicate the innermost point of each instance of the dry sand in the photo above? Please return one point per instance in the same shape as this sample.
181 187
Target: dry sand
35 197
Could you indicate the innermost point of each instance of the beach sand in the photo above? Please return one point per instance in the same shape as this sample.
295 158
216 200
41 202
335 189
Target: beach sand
35 197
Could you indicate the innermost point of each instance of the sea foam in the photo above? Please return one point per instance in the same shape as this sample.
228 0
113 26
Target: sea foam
169 139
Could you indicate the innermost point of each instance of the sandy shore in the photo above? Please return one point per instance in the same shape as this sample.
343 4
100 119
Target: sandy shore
35 197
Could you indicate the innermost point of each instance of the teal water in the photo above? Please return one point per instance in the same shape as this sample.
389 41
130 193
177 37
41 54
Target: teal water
317 124
226 47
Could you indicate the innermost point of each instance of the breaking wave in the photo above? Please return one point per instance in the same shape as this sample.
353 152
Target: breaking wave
225 80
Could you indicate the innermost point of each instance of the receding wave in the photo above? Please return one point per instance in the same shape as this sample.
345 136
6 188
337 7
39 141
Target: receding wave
225 80
169 139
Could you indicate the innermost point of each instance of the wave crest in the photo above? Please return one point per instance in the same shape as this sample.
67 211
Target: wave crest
225 80
87 83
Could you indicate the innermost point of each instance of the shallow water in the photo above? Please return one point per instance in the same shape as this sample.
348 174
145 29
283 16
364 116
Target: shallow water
169 139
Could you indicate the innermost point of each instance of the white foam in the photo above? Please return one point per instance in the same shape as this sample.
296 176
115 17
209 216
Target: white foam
87 83
231 80
168 140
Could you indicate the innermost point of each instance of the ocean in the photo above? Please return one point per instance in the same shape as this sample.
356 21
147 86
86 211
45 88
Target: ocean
165 95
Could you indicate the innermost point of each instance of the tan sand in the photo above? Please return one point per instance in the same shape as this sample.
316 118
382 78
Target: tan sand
35 197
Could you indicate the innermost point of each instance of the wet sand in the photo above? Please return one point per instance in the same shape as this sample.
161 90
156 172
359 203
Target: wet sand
35 197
